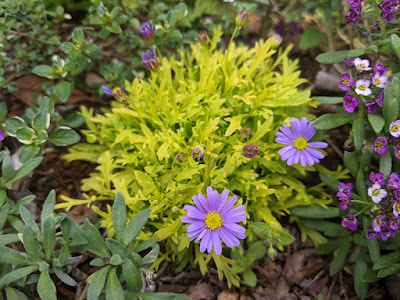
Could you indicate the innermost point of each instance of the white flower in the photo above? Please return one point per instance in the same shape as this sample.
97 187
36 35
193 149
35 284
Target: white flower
362 87
376 193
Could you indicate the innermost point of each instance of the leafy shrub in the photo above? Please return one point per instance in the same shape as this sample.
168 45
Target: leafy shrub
199 101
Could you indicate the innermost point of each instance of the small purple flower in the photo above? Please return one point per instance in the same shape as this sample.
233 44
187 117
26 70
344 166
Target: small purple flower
396 208
371 107
349 63
393 182
386 233
197 153
379 145
280 28
354 15
213 219
295 29
379 99
379 80
147 31
118 92
397 152
107 90
346 82
355 3
394 129
350 103
150 61
298 148
396 194
245 132
241 17
344 203
379 68
344 190
250 151
362 64
394 223
362 87
203 38
376 178
378 222
1 134
376 193
182 157
349 221
377 27
372 235
388 8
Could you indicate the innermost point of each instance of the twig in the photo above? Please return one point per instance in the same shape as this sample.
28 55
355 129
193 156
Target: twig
330 288
44 10
342 288
27 36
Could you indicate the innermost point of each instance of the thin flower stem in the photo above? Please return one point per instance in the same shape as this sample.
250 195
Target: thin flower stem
233 36
361 211
360 201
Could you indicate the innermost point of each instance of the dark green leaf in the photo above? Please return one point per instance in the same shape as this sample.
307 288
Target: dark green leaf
64 136
340 258
95 239
48 206
164 296
28 152
352 161
311 38
97 262
360 286
151 257
11 256
395 40
145 245
117 248
41 121
13 124
358 129
64 277
315 211
63 90
376 121
27 168
30 243
360 183
373 245
329 100
49 236
387 260
385 164
329 121
389 271
27 218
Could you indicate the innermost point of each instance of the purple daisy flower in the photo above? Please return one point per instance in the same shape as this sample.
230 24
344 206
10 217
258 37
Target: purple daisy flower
394 129
397 152
250 151
147 31
378 222
349 221
376 178
298 148
1 134
362 87
379 145
346 82
379 80
376 193
213 219
362 64
355 3
396 208
150 61
350 103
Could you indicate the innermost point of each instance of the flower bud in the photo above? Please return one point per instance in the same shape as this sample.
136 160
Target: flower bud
245 132
250 151
150 61
272 252
182 157
241 17
203 38
147 31
197 153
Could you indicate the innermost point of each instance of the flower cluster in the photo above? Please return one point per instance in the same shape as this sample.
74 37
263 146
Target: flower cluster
369 84
381 144
298 148
387 7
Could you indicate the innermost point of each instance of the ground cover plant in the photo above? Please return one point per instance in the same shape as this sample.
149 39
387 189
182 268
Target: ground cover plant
207 155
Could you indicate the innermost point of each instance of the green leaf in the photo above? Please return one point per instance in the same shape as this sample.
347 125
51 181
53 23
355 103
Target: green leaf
257 250
48 206
13 294
3 111
329 100
338 56
96 283
340 258
74 121
151 257
27 168
389 271
360 183
132 275
135 225
13 124
119 215
95 239
117 248
9 239
11 256
370 276
171 19
78 36
360 286
358 129
116 260
30 243
385 164
25 135
376 121
27 218
352 161
115 28
97 262
328 228
114 289
44 71
329 121
311 38
164 296
63 90
16 275
45 287
49 236
64 136
41 121
27 152
145 245
373 245
68 280
395 41
181 10
315 211
387 260
250 278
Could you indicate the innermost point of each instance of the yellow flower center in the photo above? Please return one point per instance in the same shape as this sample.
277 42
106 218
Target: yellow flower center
213 220
376 192
379 145
300 143
117 90
345 82
397 207
362 65
378 222
363 88
377 81
394 128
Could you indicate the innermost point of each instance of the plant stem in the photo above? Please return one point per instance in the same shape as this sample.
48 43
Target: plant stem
233 36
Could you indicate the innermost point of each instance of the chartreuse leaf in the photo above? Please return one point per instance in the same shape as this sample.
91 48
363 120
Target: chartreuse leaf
132 275
113 288
135 225
17 274
96 283
45 287
360 286
329 121
340 258
119 214
358 129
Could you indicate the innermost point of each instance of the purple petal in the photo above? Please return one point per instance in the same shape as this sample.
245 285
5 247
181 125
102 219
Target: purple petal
204 241
228 205
222 199
199 204
228 238
212 198
236 229
318 144
195 226
295 125
200 236
204 202
216 242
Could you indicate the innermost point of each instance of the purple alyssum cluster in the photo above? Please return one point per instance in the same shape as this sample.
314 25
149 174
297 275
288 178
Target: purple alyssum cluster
387 8
381 144
369 84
